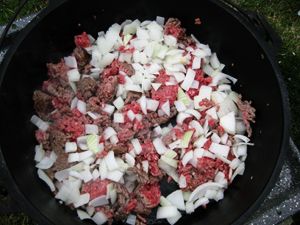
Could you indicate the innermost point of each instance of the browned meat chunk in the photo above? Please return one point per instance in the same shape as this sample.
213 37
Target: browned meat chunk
54 87
82 57
42 104
58 71
155 119
132 96
119 148
86 87
126 68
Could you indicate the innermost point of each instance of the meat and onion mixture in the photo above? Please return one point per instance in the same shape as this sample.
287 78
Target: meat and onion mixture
105 135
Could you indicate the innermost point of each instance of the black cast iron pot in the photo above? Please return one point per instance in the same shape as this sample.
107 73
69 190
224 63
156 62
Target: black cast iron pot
243 41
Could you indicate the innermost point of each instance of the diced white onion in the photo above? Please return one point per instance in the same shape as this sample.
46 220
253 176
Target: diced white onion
73 75
81 106
99 201
91 129
108 132
70 147
188 80
136 145
119 118
43 126
109 109
119 103
43 176
159 146
166 212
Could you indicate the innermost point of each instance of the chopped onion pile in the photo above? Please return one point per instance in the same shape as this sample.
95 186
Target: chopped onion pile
210 125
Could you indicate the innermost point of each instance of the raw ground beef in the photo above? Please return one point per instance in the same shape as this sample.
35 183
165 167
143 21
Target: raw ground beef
95 188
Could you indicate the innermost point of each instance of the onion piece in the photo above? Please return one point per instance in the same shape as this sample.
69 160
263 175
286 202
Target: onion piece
187 157
83 215
136 145
188 80
212 112
119 118
115 175
182 181
39 153
176 199
152 105
160 20
73 75
91 129
204 93
222 150
131 219
166 212
180 106
43 176
174 219
130 115
197 127
109 109
169 161
194 113
42 125
239 171
228 123
224 138
47 162
183 97
108 132
71 62
200 202
118 103
70 147
214 61
200 142
114 139
143 103
201 189
99 218
74 103
145 165
83 199
81 106
110 161
181 116
166 108
215 138
189 208
99 201
196 63
159 146
130 160
92 142
86 175
156 86
170 40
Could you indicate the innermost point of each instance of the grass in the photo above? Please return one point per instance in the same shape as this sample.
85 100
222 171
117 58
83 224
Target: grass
8 7
282 15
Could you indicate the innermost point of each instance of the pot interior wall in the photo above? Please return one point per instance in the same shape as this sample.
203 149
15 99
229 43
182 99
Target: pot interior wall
52 38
